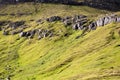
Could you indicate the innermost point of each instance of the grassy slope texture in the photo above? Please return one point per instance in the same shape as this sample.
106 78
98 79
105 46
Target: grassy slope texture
95 56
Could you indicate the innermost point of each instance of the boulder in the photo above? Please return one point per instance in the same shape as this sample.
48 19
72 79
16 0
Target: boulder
79 25
75 27
16 24
27 34
53 18
93 26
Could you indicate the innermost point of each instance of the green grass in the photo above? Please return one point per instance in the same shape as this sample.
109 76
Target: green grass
94 56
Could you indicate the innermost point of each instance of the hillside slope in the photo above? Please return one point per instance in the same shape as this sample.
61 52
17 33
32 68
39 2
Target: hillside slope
94 56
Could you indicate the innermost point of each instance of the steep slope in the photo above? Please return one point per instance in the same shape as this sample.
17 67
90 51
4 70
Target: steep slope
94 56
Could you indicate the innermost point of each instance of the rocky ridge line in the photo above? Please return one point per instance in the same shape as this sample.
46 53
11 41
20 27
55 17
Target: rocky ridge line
78 22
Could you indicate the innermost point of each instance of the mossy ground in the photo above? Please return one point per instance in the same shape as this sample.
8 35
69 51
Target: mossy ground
95 56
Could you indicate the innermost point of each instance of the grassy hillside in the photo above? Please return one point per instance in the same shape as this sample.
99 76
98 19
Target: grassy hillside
95 56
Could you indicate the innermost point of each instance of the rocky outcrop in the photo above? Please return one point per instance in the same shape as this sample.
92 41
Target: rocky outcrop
69 20
53 18
3 23
41 33
77 22
9 27
104 21
16 24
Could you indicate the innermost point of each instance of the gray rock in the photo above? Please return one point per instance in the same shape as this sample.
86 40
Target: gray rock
79 25
75 27
106 20
118 19
22 34
93 26
78 17
32 33
67 22
100 22
27 34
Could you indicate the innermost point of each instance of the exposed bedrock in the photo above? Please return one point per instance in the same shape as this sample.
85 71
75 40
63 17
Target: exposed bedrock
77 22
